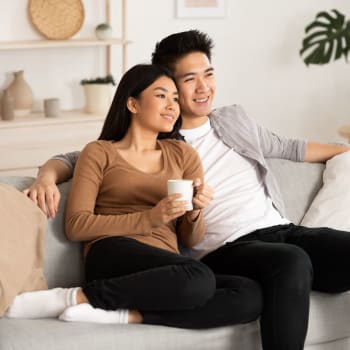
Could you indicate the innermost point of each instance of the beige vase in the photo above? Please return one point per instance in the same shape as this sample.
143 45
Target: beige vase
97 98
22 95
7 106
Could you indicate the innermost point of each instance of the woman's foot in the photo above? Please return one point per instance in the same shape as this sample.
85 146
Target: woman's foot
87 313
43 303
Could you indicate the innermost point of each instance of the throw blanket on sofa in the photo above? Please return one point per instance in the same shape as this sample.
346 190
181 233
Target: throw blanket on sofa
22 230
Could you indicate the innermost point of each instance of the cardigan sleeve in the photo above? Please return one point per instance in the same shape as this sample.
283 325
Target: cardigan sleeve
274 146
70 159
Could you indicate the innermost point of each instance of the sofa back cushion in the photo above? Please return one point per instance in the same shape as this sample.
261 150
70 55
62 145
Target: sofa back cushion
64 259
299 184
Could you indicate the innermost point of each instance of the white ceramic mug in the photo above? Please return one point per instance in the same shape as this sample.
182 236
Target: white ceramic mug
183 187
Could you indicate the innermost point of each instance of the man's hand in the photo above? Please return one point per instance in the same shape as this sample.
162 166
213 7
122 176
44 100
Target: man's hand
202 196
44 193
318 152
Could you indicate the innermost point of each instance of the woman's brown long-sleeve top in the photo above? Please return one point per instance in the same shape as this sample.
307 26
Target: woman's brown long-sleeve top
110 197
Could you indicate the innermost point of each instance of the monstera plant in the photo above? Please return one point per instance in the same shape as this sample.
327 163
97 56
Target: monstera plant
327 38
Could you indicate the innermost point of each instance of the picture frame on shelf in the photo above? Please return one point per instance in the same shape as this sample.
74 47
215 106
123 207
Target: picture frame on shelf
200 8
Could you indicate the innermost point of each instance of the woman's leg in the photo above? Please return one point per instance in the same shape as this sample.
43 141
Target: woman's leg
43 303
124 273
236 300
164 287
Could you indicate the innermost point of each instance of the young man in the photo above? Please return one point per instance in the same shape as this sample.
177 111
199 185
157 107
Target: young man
247 232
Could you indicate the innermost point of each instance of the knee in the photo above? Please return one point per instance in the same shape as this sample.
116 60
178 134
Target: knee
295 258
296 266
199 285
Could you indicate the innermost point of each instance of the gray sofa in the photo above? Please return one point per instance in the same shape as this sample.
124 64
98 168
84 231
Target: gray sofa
329 326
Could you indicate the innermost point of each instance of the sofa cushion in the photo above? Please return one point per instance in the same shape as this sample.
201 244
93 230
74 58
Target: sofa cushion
64 259
299 183
329 317
20 182
52 334
331 205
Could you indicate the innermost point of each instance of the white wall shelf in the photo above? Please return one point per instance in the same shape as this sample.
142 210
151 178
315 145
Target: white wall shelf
27 142
44 44
88 42
38 118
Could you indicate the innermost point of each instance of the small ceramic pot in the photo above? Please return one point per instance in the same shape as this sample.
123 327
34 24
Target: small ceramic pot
103 31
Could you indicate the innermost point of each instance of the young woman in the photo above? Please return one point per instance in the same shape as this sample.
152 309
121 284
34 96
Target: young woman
119 206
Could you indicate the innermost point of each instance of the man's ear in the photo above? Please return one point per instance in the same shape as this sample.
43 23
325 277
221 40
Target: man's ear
131 105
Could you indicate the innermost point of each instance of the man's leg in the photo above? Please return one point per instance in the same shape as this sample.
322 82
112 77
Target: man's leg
285 273
329 251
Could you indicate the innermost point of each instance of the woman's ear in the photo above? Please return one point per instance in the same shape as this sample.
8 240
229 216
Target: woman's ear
131 105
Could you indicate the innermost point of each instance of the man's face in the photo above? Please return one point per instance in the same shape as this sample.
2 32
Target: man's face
196 84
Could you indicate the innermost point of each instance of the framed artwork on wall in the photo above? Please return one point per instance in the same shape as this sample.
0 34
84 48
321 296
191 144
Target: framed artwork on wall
200 8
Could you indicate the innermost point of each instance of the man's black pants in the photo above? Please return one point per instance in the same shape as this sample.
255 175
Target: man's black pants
287 261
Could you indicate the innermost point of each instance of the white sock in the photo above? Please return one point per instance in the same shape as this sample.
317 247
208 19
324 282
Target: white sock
43 303
87 313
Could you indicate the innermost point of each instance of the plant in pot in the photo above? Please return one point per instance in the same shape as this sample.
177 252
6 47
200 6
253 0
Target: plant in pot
327 38
97 93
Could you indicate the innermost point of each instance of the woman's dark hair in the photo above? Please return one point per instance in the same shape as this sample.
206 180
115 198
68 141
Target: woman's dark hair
169 50
133 82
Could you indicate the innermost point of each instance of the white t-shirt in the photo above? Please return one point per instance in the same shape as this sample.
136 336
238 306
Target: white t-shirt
240 204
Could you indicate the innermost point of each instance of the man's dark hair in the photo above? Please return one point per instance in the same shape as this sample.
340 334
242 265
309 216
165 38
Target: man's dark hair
169 50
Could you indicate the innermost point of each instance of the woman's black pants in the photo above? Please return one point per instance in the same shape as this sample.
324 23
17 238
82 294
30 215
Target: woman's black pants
166 288
287 261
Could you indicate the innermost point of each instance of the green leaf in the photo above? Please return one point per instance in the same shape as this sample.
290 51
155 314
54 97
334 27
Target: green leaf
336 22
308 40
327 38
316 24
339 51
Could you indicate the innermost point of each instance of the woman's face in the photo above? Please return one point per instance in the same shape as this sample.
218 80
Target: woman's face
157 108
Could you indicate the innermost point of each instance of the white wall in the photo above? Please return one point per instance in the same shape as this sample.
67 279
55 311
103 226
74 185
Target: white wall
256 59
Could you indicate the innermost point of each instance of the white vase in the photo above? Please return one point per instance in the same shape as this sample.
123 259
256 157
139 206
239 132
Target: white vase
22 95
97 98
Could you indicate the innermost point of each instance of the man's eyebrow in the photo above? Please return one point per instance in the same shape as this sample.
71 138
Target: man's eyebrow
210 69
